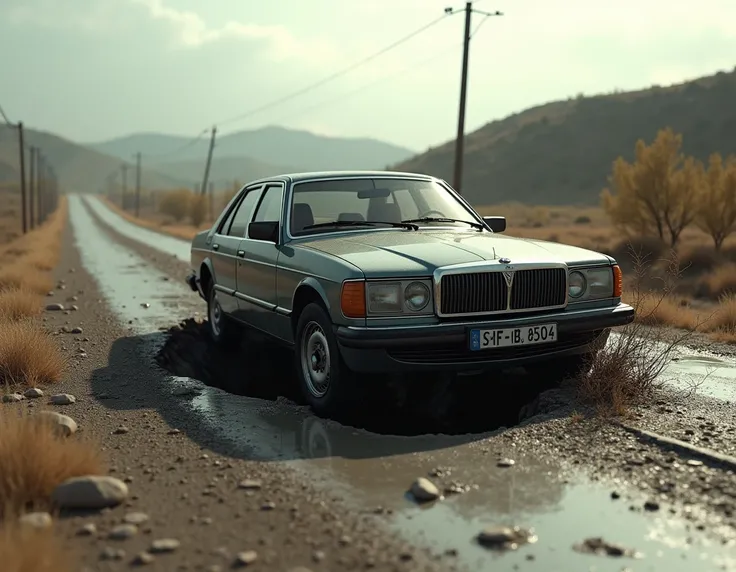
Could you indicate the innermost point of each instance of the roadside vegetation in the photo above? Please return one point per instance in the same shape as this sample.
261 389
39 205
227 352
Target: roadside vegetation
35 456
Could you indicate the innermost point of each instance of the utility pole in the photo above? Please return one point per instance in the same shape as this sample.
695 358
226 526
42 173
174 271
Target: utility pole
32 189
460 140
22 160
212 201
137 184
124 191
205 180
41 184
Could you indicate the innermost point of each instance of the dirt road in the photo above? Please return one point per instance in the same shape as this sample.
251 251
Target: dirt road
338 488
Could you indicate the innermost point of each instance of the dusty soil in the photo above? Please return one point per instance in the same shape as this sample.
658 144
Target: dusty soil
186 484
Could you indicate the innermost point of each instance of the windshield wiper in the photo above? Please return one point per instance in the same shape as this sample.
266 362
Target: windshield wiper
402 224
443 219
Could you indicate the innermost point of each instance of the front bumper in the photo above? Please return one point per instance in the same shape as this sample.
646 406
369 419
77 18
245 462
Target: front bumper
446 346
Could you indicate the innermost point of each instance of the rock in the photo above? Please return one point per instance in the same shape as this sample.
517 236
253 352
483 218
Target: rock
246 558
32 393
110 553
164 545
601 547
694 463
54 307
93 492
12 398
62 399
136 518
143 558
184 391
89 529
503 537
250 484
123 532
76 330
651 505
37 520
63 425
424 490
268 505
505 463
122 430
74 308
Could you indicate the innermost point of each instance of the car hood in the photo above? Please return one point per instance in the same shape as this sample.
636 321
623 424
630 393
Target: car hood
410 253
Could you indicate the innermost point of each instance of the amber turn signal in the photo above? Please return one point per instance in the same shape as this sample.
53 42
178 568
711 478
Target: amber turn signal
352 299
618 281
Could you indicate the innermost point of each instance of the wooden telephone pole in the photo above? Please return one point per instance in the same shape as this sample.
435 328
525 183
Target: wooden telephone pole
205 180
124 190
32 189
23 193
137 184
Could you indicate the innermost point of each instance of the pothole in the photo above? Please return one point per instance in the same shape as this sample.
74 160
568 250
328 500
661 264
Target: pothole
414 406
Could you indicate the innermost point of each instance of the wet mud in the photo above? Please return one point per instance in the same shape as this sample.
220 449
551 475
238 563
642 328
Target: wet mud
414 406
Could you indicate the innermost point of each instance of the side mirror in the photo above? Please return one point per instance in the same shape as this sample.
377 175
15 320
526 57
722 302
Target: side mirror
495 223
266 230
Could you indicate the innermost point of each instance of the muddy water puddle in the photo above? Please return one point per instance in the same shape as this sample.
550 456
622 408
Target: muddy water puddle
371 470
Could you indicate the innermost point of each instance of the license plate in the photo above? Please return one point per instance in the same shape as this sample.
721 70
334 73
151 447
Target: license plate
508 337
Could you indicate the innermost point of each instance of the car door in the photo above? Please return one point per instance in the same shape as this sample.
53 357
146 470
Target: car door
256 270
225 245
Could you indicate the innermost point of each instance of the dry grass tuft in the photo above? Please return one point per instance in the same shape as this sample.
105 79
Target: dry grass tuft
34 460
24 549
720 281
18 275
628 371
28 355
18 304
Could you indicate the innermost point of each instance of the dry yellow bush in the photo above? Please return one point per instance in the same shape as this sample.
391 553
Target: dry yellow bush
16 304
28 355
26 549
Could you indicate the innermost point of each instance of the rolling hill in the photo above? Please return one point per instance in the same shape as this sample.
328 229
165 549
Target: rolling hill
78 168
271 147
562 152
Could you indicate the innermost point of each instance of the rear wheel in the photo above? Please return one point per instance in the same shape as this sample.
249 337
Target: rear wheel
327 384
222 330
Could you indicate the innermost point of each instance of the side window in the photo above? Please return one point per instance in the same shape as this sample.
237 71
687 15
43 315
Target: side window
408 206
270 207
243 214
225 226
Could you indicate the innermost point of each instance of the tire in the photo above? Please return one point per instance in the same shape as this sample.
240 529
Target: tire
326 383
221 329
554 372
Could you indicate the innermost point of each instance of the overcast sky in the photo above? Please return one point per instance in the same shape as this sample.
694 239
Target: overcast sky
96 69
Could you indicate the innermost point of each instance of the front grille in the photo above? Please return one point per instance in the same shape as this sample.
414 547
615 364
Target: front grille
539 288
488 292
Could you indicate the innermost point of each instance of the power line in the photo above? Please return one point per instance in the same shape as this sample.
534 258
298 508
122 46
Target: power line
193 141
337 74
5 117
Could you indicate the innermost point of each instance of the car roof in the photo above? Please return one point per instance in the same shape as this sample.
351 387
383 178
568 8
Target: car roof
319 175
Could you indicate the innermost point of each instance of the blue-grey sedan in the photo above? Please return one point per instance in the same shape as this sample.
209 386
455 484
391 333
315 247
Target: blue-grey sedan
375 274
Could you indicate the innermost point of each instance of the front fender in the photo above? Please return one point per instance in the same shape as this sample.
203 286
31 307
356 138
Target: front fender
315 285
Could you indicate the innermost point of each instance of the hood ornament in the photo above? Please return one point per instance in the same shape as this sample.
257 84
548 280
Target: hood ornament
504 260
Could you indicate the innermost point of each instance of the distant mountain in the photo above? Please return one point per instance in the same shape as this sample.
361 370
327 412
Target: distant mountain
562 152
224 170
299 150
79 169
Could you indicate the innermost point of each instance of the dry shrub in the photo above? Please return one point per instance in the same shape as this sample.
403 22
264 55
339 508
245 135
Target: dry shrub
16 304
18 275
35 459
28 355
721 281
26 549
699 259
635 249
628 371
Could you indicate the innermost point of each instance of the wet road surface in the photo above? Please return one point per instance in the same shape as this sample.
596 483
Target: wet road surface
372 470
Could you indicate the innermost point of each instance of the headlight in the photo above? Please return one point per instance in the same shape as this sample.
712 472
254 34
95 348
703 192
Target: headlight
600 282
416 296
384 297
576 284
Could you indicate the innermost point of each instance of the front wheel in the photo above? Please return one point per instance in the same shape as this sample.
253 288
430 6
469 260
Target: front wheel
221 329
328 386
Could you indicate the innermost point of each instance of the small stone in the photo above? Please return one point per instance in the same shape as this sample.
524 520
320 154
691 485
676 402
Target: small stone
268 505
505 463
12 398
250 484
136 518
76 330
32 393
110 553
93 492
503 537
54 307
123 532
424 490
246 558
651 505
89 529
122 430
62 399
694 463
37 520
145 305
63 425
143 558
164 545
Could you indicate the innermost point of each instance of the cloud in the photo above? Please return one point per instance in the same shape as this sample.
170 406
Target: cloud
97 17
192 31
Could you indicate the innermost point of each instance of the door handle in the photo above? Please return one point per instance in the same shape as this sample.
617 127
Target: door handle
241 253
215 246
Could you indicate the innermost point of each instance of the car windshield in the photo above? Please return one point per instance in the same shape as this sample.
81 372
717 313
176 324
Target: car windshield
349 202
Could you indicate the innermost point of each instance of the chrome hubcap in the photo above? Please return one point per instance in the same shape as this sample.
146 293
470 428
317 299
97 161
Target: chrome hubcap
315 360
